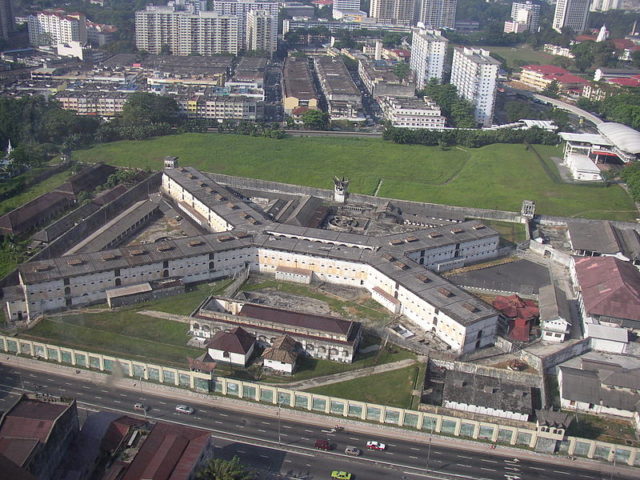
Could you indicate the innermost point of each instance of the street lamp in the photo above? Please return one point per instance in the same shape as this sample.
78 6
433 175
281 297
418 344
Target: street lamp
613 451
144 407
429 448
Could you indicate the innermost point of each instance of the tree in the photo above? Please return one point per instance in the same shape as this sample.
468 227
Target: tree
552 90
220 469
144 108
402 70
315 120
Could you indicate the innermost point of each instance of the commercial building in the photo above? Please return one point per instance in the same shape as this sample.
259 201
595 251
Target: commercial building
437 13
614 141
206 33
213 106
340 6
399 12
605 5
91 103
380 79
394 268
298 87
525 16
428 52
7 20
344 100
262 31
35 435
241 9
293 24
475 73
571 14
51 27
413 113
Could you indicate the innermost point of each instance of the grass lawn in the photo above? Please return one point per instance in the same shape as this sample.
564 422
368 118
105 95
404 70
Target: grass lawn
390 388
511 232
605 429
368 309
523 52
34 191
150 339
496 176
126 333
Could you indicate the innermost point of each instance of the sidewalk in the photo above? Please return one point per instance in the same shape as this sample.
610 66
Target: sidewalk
319 420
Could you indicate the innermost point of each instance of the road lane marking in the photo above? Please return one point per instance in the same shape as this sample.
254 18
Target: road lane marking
538 468
560 471
464 456
284 434
411 456
463 465
223 414
415 449
86 388
308 431
488 469
266 423
488 461
162 403
220 423
354 438
286 426
263 431
264 456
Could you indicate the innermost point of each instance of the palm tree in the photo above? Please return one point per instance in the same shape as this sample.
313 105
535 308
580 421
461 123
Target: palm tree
220 469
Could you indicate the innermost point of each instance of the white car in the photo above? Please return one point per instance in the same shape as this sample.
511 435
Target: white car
373 445
184 409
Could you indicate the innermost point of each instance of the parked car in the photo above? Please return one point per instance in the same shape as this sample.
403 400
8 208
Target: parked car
373 445
340 475
140 406
186 409
322 444
353 451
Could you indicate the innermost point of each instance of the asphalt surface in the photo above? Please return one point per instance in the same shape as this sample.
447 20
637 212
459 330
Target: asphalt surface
280 448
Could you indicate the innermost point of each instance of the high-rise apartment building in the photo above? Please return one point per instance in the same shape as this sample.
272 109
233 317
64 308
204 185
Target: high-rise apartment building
241 9
436 13
398 12
53 27
183 33
524 16
571 14
428 51
7 20
474 73
262 31
605 5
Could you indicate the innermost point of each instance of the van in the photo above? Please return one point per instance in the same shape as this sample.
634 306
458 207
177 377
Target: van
322 444
353 451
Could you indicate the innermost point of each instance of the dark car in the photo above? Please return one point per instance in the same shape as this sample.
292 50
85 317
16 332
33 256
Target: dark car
322 444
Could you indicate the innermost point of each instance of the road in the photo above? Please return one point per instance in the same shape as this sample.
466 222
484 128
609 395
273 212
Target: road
281 446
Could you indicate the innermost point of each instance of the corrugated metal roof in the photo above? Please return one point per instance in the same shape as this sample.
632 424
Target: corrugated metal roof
625 138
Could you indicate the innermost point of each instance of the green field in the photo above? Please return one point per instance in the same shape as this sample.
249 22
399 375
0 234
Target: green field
390 388
523 53
497 176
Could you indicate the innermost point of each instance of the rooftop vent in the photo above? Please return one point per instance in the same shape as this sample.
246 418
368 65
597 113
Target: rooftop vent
75 261
445 292
226 238
196 243
411 239
396 242
470 307
242 235
435 235
423 278
192 176
165 248
137 252
479 226
109 256
456 230
43 268
401 265
388 257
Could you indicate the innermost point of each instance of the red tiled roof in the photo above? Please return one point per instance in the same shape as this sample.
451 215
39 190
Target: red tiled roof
553 72
13 471
610 287
237 340
519 329
586 38
515 307
622 43
117 431
170 452
31 419
626 81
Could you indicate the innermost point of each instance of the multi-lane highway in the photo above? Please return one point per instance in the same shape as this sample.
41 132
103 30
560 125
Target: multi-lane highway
280 446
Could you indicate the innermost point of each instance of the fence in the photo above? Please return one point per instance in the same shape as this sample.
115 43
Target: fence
282 397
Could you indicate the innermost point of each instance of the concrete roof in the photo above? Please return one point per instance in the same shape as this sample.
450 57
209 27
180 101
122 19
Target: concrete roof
625 138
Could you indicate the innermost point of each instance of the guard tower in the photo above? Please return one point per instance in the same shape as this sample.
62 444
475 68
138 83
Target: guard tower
528 209
170 162
340 189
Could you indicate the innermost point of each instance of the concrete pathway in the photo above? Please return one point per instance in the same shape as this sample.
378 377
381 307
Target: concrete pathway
342 377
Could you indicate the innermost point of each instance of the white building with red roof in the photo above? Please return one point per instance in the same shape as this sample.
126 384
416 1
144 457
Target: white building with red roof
540 77
609 297
233 346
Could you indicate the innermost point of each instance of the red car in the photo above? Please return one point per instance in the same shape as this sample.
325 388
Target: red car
373 445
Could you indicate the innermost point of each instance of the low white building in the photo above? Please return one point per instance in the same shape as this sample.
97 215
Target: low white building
582 167
234 347
281 356
600 383
412 113
555 314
